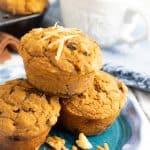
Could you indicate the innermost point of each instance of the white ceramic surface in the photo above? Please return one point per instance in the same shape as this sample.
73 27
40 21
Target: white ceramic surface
108 21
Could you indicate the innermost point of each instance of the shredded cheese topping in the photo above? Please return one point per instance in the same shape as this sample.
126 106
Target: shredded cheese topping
59 51
61 45
56 24
61 41
38 30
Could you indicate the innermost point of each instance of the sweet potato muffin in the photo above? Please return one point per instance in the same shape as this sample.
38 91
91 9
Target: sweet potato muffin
23 7
94 110
26 116
60 61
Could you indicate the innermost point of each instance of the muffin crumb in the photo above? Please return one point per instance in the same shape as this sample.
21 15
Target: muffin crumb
37 148
56 143
105 147
74 147
83 142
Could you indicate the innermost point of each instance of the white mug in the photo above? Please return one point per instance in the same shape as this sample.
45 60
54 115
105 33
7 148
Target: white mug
108 21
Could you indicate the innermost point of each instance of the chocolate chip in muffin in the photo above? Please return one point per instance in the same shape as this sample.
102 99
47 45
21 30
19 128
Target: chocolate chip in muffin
97 88
81 95
72 45
29 110
85 53
32 90
16 111
77 68
14 138
88 121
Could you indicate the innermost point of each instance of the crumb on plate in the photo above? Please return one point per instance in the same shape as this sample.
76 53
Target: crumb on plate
74 147
105 147
83 142
56 143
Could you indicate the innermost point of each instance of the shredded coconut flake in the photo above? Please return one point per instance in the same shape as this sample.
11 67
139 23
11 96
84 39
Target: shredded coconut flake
49 34
56 24
38 30
60 41
61 45
59 51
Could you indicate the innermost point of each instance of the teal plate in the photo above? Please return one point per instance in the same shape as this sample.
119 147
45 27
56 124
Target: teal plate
116 135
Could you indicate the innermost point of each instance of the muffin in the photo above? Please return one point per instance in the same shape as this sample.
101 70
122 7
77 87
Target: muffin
26 115
60 61
23 7
94 111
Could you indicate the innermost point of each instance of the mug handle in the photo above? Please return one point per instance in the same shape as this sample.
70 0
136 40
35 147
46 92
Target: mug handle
130 21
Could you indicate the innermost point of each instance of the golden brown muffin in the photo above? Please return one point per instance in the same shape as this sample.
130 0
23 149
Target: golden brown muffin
60 61
94 110
26 116
23 7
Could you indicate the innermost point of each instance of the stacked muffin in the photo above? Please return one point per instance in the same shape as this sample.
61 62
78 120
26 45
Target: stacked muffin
65 63
23 7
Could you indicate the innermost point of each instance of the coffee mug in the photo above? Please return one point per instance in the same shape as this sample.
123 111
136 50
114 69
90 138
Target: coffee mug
109 22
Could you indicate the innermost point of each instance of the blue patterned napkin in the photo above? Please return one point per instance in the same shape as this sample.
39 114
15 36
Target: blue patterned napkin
130 64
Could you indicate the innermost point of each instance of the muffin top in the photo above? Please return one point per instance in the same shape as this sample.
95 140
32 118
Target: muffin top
24 111
23 7
61 50
105 97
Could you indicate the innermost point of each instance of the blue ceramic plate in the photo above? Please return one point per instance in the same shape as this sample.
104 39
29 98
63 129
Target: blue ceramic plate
116 136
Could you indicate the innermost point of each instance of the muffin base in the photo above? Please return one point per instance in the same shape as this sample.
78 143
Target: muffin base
22 143
80 124
62 85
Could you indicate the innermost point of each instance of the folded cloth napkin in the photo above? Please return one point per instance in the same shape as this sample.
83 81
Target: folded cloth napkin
11 65
7 42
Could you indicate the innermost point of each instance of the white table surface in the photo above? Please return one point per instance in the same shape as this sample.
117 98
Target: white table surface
144 101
